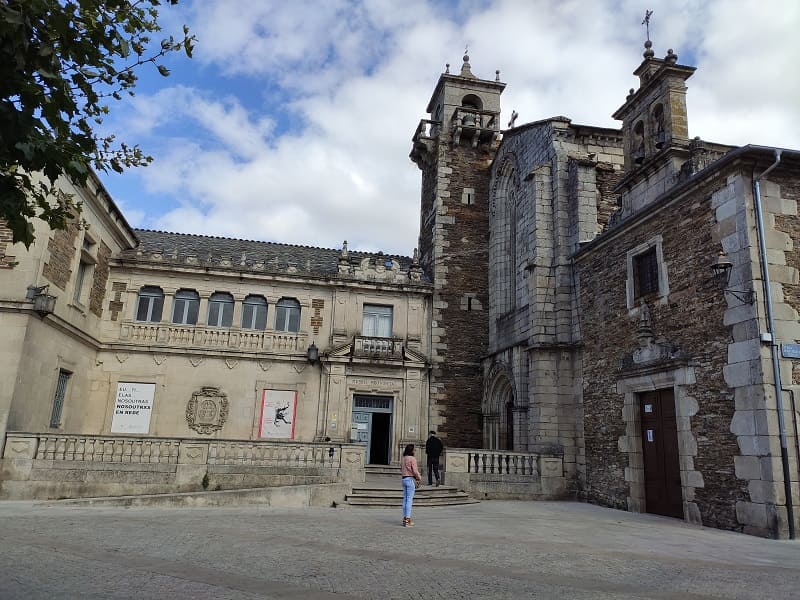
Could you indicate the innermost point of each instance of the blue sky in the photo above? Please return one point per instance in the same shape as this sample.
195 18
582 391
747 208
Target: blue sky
293 121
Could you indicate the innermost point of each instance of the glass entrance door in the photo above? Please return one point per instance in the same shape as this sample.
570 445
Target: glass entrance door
372 426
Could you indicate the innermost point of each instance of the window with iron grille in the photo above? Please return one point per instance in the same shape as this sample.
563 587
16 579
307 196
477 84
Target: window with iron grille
645 273
58 399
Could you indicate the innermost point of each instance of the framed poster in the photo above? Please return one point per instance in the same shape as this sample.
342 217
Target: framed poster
133 407
278 411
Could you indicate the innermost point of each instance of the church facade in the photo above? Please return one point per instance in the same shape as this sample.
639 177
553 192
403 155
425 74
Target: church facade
623 299
640 317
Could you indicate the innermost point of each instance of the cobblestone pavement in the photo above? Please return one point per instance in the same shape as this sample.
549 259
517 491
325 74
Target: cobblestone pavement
487 550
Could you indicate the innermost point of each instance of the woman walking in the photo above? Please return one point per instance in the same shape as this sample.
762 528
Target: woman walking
411 479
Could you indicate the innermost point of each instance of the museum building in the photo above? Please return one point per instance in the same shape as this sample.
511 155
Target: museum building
613 308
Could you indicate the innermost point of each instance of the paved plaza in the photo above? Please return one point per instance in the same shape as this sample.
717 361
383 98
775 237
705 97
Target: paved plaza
487 550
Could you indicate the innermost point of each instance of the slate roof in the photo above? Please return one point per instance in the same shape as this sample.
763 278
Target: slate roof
222 252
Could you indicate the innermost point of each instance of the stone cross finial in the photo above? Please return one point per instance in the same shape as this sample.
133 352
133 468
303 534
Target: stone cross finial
514 115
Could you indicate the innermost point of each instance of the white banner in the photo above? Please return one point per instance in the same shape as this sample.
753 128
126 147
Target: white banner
133 407
278 410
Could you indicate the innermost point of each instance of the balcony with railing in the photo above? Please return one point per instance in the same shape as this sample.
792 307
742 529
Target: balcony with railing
216 338
378 348
422 144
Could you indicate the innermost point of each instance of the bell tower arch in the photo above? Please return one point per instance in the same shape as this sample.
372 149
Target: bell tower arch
454 149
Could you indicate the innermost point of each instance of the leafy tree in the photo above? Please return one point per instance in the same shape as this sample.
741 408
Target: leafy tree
61 63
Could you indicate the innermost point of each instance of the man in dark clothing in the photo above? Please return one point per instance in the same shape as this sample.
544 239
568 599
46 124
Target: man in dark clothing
433 448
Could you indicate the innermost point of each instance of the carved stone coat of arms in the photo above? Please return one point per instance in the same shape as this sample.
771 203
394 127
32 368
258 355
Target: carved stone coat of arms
207 411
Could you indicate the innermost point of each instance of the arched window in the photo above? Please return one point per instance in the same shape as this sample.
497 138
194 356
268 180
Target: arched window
254 313
149 304
472 101
185 307
220 310
287 315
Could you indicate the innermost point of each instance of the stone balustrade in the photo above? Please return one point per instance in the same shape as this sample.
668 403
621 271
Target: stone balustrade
68 465
498 474
200 336
378 347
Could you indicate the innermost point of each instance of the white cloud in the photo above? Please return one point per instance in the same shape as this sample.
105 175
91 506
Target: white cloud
352 79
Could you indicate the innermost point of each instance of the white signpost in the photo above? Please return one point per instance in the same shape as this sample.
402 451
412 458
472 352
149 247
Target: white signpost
133 407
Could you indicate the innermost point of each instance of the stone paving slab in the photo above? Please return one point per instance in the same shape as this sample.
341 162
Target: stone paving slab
536 550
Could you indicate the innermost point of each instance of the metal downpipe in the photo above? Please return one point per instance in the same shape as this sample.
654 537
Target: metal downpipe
776 371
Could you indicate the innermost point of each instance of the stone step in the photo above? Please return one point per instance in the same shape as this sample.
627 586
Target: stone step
395 502
386 492
398 492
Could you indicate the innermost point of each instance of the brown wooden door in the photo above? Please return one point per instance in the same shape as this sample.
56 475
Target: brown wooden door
660 448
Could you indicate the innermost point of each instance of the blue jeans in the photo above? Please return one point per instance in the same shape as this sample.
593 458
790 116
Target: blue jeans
408 496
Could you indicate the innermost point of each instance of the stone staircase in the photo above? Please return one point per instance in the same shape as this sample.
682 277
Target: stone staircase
382 489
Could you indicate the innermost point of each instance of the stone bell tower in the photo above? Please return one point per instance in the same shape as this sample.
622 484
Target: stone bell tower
655 129
454 149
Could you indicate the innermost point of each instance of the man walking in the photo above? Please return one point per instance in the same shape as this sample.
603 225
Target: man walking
433 448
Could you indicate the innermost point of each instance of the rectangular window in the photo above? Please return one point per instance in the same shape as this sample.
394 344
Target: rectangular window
287 315
377 321
185 307
645 273
254 314
84 272
80 278
58 399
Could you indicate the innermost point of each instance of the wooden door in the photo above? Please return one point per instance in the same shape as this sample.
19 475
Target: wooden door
660 448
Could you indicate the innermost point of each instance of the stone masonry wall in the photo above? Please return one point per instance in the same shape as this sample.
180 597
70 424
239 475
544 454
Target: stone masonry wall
781 197
61 247
101 269
460 331
692 319
607 202
6 262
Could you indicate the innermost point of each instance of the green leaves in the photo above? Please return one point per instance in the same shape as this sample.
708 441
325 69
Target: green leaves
60 62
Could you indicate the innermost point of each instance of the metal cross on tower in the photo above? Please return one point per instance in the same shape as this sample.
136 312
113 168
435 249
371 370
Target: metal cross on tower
646 22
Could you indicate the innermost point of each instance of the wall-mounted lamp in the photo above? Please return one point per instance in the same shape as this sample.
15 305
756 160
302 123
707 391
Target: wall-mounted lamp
721 267
313 353
43 303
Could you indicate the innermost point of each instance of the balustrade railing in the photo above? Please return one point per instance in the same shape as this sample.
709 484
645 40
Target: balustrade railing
142 450
168 334
378 347
495 462
272 454
107 449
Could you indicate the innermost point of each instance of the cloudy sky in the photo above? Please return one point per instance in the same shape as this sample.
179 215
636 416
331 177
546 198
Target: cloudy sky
293 121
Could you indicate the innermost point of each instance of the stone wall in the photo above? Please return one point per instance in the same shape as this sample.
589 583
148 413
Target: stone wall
6 261
61 247
101 270
692 319
460 329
